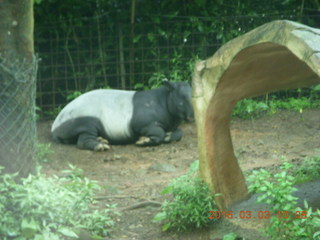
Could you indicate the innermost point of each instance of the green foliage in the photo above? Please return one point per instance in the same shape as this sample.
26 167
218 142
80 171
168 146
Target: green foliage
80 42
73 95
190 205
247 108
54 112
250 108
230 236
154 81
52 208
180 72
296 104
308 171
38 112
43 151
37 1
276 190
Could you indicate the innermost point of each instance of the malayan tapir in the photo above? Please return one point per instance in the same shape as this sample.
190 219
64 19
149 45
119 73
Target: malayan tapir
99 117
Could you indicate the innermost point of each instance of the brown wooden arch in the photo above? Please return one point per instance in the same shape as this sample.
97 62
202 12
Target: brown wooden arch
277 55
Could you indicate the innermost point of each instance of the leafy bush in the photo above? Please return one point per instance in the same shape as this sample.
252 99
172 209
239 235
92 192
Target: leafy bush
277 191
180 71
296 104
190 205
53 208
43 150
308 171
248 108
154 81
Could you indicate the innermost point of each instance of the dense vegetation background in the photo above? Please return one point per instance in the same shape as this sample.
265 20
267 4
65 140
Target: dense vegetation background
135 44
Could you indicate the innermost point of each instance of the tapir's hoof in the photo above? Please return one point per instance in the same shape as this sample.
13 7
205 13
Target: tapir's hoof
101 147
143 141
102 140
167 138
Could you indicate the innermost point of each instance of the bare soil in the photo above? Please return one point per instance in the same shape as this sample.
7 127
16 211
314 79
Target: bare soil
131 174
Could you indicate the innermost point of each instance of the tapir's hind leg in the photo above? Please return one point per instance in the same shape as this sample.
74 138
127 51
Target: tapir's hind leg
92 142
85 131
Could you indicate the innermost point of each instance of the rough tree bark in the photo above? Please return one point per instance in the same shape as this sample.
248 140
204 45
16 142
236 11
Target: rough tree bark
17 86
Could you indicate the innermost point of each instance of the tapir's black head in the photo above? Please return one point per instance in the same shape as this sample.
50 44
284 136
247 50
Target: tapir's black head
179 100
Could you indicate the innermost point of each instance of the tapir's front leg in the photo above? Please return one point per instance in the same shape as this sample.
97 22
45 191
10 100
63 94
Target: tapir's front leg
151 135
174 136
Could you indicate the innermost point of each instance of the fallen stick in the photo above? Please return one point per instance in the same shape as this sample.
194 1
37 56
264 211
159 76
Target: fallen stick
142 205
100 198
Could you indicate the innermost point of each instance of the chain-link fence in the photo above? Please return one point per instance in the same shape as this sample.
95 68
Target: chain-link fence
17 115
97 54
85 54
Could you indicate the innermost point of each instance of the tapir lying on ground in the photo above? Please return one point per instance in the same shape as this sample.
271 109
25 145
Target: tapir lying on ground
99 117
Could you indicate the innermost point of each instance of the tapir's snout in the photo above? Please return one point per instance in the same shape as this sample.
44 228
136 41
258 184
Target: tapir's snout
190 118
190 115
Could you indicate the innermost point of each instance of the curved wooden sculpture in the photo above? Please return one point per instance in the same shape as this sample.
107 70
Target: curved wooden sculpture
274 56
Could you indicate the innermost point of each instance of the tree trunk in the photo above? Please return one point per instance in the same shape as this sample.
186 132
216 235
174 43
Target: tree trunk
17 86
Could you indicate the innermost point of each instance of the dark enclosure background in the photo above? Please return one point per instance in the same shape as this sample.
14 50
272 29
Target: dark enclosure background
135 44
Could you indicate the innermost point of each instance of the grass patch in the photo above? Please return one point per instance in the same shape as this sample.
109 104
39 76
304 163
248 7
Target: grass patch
308 171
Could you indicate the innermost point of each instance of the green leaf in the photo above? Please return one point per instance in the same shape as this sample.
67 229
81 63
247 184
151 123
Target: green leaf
159 217
68 232
139 86
29 229
150 37
261 198
316 235
166 226
230 236
167 190
263 188
316 88
39 237
156 20
136 38
96 237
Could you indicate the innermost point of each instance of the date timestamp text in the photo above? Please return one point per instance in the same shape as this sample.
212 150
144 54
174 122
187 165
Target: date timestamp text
257 215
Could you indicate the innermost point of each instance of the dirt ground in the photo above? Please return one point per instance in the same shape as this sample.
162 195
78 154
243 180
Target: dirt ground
131 174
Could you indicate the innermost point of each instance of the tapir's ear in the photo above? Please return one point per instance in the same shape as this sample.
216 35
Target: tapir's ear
167 84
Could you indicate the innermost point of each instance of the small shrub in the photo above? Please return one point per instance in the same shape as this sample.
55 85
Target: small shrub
308 171
50 208
247 108
277 191
43 151
190 205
